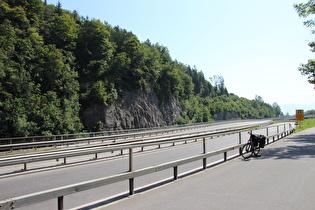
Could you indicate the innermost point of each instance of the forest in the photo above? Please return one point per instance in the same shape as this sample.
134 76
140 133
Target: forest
54 63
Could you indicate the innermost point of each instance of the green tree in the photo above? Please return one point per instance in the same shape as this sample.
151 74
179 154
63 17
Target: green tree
304 10
94 53
93 45
152 62
33 9
219 84
168 84
61 30
38 83
276 109
310 112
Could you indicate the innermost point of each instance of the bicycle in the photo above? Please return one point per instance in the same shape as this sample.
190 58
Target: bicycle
255 142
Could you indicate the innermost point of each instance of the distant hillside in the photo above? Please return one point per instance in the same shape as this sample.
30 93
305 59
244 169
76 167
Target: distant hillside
63 73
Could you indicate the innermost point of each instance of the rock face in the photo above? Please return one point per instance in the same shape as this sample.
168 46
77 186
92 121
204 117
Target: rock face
226 116
133 110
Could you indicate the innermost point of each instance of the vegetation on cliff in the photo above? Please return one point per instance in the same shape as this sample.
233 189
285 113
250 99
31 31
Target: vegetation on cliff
55 63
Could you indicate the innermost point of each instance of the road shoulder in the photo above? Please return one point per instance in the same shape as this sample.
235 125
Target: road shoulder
281 178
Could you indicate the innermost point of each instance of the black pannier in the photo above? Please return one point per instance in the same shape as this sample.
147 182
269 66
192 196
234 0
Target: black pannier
255 139
259 140
262 141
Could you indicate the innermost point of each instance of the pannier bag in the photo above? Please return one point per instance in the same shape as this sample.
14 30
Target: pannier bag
259 140
255 139
262 141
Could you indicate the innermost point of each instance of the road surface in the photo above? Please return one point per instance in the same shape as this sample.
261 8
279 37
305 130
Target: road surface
24 184
282 178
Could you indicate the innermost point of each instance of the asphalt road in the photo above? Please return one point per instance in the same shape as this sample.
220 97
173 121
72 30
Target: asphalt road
49 179
49 163
283 177
19 185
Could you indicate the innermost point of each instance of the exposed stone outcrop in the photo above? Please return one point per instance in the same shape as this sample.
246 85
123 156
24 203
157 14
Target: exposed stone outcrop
133 110
226 116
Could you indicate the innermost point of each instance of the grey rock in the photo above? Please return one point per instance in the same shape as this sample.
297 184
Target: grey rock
133 110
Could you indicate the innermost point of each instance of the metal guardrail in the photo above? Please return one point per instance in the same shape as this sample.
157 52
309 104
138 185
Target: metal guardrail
33 139
10 147
293 117
29 139
25 159
60 192
34 144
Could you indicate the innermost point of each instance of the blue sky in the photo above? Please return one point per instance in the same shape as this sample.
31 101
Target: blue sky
256 46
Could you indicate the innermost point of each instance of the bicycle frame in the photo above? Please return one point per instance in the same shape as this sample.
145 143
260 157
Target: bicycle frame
251 148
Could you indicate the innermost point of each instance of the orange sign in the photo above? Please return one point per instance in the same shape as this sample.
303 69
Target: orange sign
299 114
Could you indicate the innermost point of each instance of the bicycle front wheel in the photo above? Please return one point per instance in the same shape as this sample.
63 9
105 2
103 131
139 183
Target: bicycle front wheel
247 150
256 151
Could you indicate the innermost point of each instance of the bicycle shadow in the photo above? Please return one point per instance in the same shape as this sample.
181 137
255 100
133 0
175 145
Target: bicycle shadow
296 147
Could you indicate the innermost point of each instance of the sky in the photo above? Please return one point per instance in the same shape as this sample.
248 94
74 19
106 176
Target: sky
257 46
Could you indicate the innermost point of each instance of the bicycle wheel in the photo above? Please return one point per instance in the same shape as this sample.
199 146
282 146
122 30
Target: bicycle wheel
247 151
256 151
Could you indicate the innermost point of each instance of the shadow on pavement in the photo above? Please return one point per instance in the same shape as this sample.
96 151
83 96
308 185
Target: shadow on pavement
297 146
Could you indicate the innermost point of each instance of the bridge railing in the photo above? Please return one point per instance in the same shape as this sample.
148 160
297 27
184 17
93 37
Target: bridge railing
60 192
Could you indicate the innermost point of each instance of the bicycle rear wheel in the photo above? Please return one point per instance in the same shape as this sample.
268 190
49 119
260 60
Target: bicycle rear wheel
247 150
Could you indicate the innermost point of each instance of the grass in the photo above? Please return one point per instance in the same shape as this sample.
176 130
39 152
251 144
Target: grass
305 124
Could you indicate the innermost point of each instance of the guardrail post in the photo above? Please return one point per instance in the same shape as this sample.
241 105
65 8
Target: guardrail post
204 160
225 156
130 160
131 180
267 133
131 186
60 203
175 172
240 142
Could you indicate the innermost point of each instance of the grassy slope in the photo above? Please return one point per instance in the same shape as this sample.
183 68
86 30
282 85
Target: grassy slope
305 124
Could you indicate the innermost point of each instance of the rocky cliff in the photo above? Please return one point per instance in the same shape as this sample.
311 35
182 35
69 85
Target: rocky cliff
226 116
133 110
